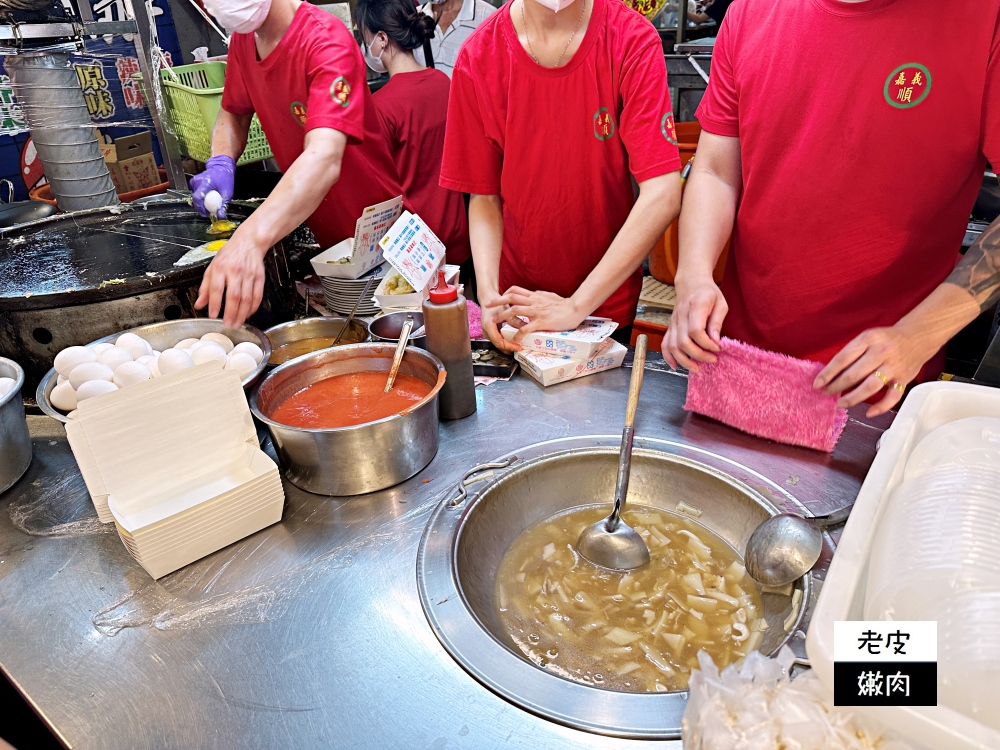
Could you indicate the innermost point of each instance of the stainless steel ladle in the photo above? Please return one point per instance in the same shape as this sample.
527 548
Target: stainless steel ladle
785 547
612 543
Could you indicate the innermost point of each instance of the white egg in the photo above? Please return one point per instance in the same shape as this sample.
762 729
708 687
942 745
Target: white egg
154 367
135 344
209 352
147 359
63 397
130 373
156 353
249 347
115 356
6 386
60 379
72 356
173 360
98 348
94 388
73 414
242 362
185 343
89 371
221 339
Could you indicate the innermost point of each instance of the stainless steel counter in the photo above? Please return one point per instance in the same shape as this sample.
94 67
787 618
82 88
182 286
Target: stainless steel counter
310 633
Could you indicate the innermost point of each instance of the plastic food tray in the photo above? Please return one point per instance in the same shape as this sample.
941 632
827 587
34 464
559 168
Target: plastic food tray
927 407
193 94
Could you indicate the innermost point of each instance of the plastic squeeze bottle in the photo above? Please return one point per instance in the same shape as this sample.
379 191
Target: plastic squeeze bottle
446 321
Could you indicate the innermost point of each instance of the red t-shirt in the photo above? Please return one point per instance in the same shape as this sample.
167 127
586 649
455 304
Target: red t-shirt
557 144
413 108
315 78
863 129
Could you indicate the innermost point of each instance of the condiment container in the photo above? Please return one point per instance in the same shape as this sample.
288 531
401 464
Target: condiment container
15 441
447 322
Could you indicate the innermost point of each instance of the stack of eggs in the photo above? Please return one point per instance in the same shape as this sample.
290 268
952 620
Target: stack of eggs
88 371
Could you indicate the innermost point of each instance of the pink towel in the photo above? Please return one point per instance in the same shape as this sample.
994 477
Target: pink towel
766 394
475 320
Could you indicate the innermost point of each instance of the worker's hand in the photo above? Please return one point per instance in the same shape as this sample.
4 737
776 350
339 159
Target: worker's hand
219 175
492 309
879 358
544 311
237 271
696 324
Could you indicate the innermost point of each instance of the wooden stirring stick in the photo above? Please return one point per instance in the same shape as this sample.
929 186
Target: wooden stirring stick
404 337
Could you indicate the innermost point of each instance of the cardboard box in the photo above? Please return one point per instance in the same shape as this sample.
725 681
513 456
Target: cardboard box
354 257
176 494
414 250
549 369
583 343
413 300
131 162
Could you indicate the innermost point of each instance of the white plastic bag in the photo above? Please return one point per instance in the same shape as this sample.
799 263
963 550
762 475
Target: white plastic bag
757 707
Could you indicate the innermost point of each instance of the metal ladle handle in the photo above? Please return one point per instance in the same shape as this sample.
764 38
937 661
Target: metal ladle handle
628 434
404 337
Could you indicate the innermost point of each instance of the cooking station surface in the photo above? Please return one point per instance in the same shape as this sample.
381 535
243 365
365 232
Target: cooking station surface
310 633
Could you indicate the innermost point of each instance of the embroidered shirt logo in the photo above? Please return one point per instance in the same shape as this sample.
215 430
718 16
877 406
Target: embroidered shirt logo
340 91
604 124
668 129
298 110
907 86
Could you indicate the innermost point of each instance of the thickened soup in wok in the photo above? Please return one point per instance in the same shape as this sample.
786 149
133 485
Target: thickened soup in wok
637 631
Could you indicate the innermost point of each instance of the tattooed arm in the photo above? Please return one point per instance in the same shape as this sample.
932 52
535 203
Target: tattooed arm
978 272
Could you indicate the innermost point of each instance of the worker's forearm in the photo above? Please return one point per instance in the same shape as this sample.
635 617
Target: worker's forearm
297 195
229 136
978 273
486 240
707 215
656 207
942 314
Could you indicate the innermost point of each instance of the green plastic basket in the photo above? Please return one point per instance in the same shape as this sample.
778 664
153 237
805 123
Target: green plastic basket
193 93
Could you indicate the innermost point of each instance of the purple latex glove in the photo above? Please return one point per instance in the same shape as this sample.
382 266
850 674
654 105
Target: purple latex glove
219 175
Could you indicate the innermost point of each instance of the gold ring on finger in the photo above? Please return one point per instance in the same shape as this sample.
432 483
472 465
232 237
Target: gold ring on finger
883 378
899 387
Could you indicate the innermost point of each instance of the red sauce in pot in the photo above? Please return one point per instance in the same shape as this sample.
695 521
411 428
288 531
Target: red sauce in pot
352 399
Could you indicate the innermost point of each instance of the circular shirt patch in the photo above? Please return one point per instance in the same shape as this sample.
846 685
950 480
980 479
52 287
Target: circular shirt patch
604 124
298 110
668 129
340 91
907 86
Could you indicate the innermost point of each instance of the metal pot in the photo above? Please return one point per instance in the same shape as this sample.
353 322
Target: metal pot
312 328
463 544
15 442
163 336
363 458
388 327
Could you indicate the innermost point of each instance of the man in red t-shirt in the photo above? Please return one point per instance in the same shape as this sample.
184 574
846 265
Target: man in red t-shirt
300 69
846 181
551 115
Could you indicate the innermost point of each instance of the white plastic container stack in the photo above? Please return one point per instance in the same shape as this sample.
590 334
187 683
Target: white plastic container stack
923 543
936 556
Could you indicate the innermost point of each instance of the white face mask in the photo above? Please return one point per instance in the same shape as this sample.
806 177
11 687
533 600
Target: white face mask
240 16
554 5
373 62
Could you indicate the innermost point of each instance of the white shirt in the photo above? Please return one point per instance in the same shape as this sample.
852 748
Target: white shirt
445 46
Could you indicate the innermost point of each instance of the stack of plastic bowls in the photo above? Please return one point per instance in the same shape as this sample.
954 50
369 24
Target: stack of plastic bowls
936 556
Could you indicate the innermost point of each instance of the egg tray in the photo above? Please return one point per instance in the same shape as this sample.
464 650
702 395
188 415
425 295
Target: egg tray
498 364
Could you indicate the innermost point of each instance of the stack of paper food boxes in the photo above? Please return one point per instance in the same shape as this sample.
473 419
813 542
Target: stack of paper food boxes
557 357
175 464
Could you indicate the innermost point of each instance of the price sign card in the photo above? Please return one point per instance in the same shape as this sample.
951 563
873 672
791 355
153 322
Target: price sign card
885 663
413 249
